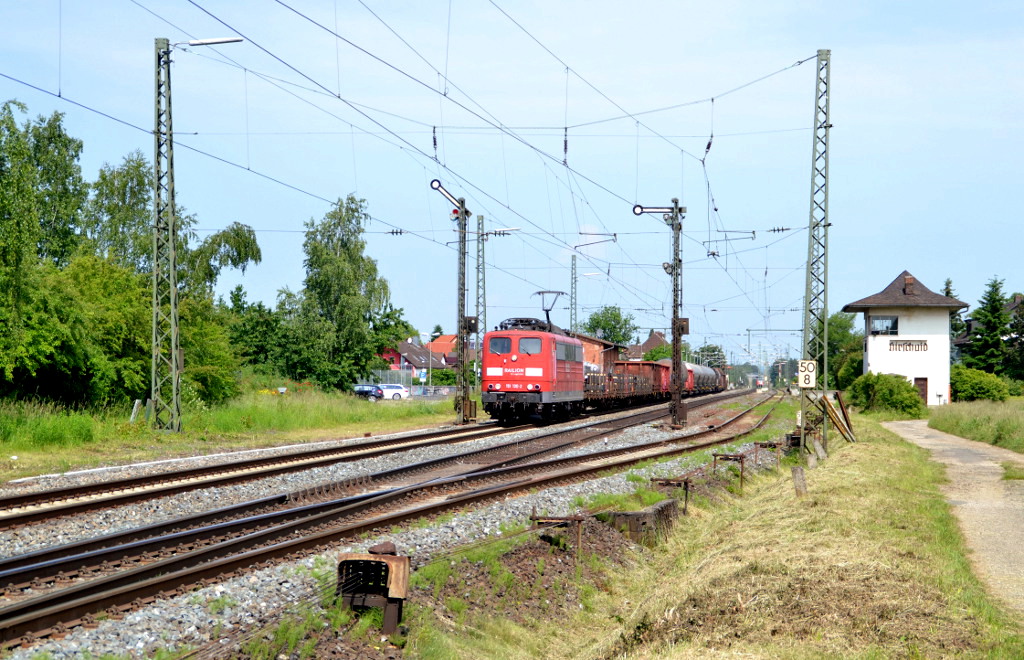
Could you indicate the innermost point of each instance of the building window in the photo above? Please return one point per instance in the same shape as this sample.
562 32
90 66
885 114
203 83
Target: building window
884 325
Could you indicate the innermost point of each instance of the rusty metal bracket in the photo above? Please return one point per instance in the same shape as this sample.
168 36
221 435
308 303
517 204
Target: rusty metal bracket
770 444
735 458
379 578
559 521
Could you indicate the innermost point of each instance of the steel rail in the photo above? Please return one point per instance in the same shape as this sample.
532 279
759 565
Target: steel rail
48 612
16 510
20 570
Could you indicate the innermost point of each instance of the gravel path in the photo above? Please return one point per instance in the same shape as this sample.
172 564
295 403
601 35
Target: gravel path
990 509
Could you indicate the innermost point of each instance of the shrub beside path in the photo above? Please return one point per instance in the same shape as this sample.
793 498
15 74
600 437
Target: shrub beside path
990 509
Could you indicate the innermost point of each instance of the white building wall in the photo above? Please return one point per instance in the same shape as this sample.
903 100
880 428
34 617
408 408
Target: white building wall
920 350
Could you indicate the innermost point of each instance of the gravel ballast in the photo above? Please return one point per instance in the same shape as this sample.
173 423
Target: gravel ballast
256 598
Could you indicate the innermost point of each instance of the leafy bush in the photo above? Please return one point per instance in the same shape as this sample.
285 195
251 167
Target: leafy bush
886 392
972 384
1013 387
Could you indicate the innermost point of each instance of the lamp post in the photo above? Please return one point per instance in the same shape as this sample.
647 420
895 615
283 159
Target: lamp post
167 358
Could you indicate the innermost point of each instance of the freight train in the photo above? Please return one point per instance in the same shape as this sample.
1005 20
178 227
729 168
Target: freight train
530 368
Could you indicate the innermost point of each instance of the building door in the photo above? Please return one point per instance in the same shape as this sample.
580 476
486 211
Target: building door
922 388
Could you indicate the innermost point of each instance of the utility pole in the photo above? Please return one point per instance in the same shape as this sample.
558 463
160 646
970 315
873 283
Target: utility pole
815 334
167 358
165 381
673 216
465 408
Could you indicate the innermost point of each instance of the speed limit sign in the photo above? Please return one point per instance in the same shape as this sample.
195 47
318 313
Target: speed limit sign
807 372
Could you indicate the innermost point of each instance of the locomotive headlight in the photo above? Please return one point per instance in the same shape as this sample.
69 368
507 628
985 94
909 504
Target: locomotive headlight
515 357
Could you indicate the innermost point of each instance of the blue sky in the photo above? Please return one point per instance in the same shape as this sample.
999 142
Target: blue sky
926 104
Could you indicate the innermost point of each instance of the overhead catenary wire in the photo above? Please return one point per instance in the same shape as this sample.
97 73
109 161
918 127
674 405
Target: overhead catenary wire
572 185
503 128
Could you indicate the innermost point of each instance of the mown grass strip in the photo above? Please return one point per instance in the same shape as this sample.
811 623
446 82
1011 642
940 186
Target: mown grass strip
870 565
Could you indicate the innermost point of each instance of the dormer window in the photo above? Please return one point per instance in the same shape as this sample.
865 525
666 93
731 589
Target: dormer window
884 325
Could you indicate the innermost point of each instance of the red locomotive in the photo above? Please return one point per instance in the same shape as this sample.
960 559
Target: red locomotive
532 368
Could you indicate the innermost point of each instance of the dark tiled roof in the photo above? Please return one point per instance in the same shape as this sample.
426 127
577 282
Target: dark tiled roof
654 340
905 291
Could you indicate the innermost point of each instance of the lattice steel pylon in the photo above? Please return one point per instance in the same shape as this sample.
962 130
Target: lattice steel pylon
815 331
165 382
572 298
481 288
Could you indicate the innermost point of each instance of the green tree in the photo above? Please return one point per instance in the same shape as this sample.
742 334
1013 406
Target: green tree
210 363
117 328
118 222
234 246
986 349
19 219
86 339
255 332
60 190
957 325
610 324
334 329
659 353
1014 364
711 355
665 352
845 350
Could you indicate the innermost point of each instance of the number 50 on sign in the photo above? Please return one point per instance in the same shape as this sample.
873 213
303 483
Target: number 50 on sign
807 372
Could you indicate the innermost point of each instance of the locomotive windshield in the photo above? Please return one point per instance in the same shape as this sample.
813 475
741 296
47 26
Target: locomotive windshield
530 345
499 345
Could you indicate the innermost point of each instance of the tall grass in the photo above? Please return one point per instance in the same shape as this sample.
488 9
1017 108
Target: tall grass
46 437
312 409
31 425
997 423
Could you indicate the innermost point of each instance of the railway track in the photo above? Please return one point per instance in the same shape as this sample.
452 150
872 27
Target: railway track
26 508
16 510
213 551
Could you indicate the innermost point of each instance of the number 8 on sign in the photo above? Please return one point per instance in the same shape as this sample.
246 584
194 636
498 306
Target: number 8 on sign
807 372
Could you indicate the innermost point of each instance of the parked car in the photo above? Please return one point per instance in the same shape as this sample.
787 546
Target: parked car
371 393
395 391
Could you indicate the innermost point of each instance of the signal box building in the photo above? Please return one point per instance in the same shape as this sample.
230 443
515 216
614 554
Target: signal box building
906 333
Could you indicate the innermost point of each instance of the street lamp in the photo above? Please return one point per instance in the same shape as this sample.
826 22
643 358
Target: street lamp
167 358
